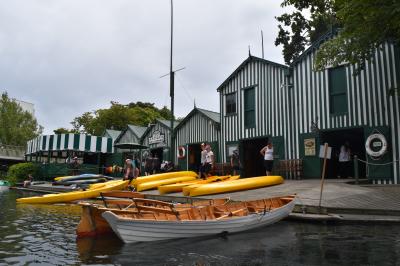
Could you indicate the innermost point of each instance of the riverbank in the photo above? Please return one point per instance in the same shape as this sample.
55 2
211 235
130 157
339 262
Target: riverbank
341 201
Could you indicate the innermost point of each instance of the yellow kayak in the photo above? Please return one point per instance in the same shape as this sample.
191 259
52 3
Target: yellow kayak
236 185
149 178
156 183
186 189
76 195
164 189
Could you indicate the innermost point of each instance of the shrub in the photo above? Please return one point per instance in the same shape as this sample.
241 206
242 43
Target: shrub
19 172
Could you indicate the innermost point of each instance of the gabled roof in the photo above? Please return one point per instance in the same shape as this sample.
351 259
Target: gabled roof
244 63
138 131
112 133
165 123
214 116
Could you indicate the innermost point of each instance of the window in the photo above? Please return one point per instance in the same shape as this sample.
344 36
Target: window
249 108
230 104
337 90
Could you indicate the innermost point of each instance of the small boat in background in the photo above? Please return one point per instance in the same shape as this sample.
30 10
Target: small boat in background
93 192
236 185
153 224
178 187
4 184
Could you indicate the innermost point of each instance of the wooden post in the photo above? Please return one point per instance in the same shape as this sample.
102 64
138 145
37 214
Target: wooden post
323 172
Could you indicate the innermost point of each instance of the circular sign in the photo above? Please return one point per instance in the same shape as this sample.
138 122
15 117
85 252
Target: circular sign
376 145
181 152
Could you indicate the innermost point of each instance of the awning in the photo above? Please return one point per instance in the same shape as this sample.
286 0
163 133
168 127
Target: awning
70 142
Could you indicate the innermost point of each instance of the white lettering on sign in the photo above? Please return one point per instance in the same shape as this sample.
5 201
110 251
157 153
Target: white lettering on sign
157 137
376 144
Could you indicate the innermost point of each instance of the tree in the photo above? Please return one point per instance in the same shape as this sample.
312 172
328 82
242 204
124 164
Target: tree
118 116
16 125
364 26
63 130
297 32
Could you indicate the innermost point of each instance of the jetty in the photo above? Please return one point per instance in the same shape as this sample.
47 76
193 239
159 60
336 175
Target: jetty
342 200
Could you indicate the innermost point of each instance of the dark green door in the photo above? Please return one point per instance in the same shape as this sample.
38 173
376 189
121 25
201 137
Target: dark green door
279 152
309 153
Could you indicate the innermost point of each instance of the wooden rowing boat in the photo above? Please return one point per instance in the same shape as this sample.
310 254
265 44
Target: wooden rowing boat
162 224
92 223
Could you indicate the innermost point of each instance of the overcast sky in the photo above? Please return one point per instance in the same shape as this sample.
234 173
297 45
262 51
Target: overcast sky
72 56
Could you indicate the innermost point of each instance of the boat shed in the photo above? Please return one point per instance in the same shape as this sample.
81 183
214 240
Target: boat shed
253 110
347 104
199 126
157 138
300 109
53 152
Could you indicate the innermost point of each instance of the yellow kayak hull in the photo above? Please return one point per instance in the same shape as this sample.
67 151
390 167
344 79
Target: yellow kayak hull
186 189
75 195
236 185
164 189
155 177
155 184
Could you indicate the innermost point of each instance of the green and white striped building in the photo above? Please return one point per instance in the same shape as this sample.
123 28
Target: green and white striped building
253 105
69 142
294 106
199 126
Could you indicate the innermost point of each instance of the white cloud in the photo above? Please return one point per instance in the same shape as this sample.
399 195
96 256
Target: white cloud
70 56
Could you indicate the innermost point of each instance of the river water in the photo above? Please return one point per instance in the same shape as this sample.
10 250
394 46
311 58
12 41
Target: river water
45 235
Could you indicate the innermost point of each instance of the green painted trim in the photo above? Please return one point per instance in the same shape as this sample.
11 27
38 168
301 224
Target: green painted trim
98 144
66 140
76 141
88 140
58 142
109 145
44 142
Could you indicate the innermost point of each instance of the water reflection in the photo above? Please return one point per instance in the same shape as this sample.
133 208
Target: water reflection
45 235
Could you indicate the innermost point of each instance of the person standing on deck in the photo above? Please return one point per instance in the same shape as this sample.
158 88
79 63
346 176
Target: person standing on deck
209 162
148 165
344 161
202 159
268 153
235 162
130 171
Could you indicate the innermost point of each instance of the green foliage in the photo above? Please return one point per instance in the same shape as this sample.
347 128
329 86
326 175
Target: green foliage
16 126
63 130
296 32
118 116
19 172
366 25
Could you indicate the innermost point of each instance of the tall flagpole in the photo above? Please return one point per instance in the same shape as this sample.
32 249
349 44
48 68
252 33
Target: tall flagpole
171 87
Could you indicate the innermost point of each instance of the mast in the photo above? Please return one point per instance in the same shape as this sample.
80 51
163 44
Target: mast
171 87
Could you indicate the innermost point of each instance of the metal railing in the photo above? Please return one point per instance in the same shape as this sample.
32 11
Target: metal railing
12 152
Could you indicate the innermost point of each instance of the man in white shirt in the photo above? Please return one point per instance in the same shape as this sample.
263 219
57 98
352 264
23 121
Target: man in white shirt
209 162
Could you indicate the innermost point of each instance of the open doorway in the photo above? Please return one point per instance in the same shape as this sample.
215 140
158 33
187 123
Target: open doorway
194 157
337 138
250 157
